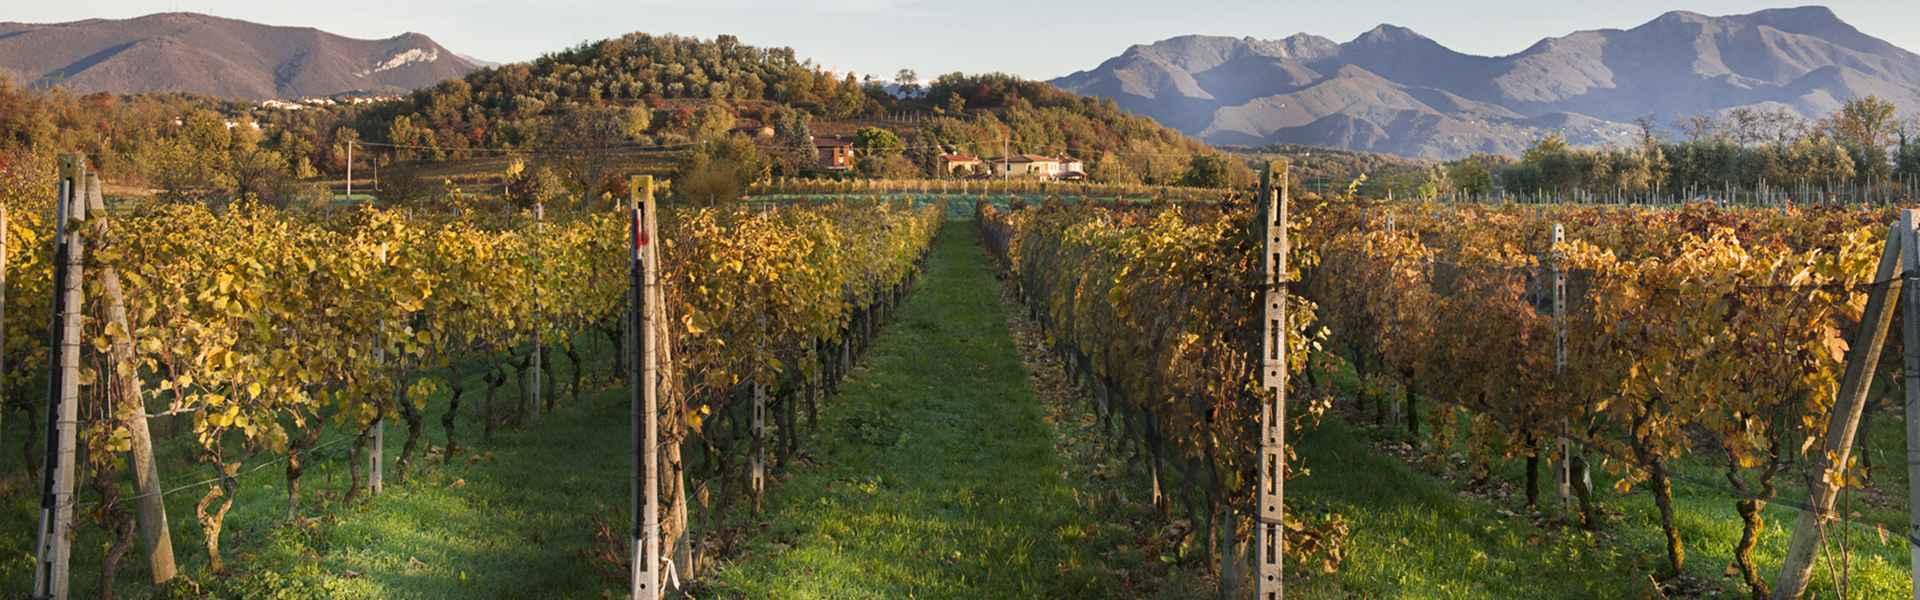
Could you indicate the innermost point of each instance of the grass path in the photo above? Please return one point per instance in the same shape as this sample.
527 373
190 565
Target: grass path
934 474
515 522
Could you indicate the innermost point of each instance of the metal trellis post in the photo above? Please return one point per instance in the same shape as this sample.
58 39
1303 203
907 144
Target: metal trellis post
1564 471
54 546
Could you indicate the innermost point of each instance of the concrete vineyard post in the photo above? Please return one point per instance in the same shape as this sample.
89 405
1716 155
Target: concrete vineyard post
1563 472
1271 546
1910 338
50 572
1863 357
644 279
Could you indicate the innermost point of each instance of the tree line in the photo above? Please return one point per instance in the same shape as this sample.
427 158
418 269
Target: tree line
1864 145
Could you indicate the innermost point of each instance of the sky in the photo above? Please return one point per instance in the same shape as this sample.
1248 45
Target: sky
1039 40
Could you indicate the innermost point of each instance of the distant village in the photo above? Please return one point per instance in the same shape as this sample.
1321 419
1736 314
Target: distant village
326 101
836 154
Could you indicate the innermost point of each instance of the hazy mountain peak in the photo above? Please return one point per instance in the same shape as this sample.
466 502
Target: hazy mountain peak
1389 33
1680 16
1393 90
1802 15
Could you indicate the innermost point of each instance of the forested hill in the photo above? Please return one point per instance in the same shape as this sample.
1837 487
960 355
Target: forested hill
710 115
643 90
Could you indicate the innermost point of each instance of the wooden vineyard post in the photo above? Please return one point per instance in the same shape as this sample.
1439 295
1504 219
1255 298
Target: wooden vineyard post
377 456
3 298
1389 410
757 472
127 402
1563 472
539 345
644 281
1271 546
1863 358
50 571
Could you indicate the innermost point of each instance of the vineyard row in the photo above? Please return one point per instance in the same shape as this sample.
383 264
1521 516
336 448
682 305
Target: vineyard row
1578 336
267 328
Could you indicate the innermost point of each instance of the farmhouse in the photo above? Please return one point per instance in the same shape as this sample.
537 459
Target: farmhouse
962 164
835 154
1038 166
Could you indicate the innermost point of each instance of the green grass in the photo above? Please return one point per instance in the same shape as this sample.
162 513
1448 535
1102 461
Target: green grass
463 516
515 522
936 474
1416 536
511 522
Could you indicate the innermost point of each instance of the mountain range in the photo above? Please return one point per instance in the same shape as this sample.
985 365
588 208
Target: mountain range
187 52
1393 90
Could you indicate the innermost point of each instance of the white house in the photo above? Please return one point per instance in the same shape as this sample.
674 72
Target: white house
1036 165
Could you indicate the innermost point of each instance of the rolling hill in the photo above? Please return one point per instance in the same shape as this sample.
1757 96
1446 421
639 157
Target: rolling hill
200 54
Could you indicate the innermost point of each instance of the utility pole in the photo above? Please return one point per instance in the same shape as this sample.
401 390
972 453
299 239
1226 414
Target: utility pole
50 572
349 170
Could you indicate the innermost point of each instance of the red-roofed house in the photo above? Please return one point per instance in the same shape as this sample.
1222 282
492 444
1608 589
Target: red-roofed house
835 154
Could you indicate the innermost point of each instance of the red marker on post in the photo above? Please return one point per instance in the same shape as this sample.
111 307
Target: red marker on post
636 231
